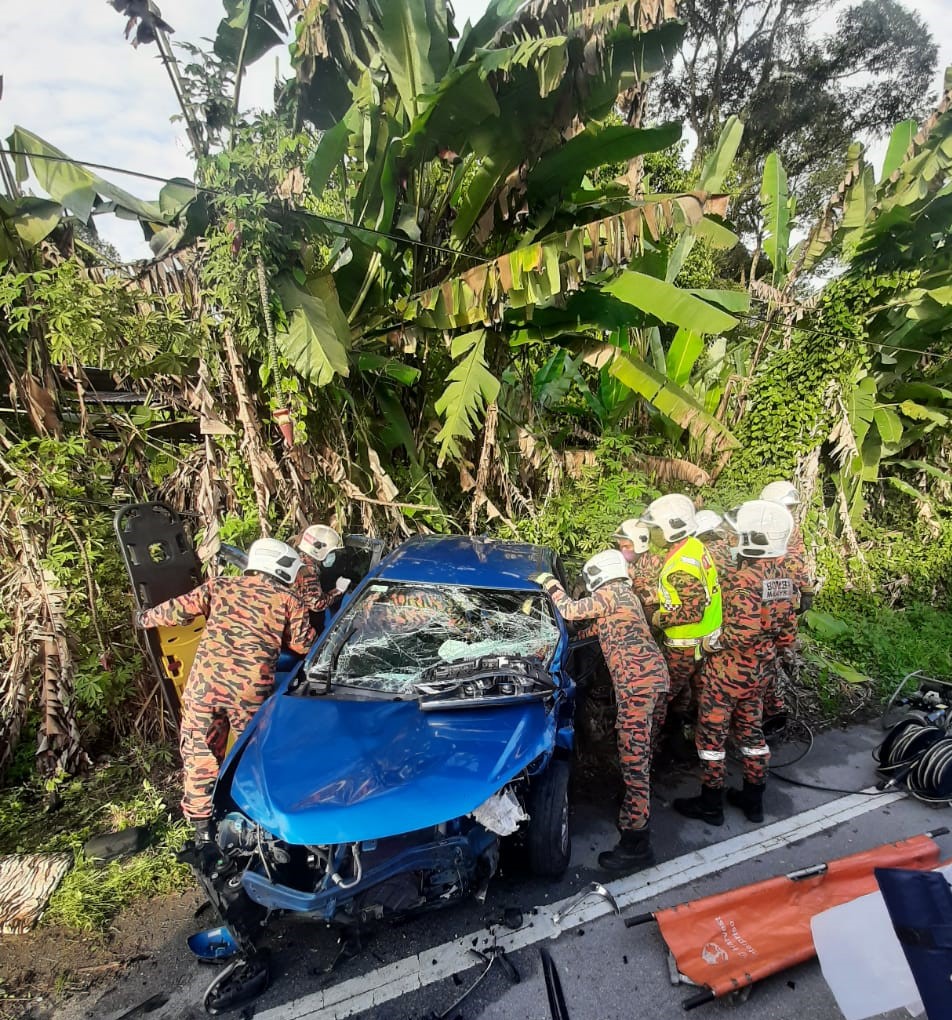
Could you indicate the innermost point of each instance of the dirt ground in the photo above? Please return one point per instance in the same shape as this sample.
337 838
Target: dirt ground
44 968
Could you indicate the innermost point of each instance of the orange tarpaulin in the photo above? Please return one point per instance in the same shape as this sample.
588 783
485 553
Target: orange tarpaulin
735 938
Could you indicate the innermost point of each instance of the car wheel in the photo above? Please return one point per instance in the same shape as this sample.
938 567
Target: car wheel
548 841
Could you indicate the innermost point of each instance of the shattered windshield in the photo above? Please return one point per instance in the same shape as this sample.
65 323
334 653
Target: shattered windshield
393 632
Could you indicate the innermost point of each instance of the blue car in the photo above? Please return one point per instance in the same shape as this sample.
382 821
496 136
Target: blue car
432 719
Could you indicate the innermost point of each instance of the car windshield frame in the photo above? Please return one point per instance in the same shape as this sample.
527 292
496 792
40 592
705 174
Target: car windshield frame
394 631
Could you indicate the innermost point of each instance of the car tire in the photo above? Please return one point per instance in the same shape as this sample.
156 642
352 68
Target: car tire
548 840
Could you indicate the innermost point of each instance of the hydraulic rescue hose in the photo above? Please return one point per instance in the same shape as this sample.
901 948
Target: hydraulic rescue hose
918 753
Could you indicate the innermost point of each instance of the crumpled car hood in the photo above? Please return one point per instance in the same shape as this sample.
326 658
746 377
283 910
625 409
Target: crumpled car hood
318 770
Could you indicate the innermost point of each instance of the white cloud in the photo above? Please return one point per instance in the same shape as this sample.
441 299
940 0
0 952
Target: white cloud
71 77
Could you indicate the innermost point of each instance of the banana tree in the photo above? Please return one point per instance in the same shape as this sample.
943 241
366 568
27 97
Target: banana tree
485 146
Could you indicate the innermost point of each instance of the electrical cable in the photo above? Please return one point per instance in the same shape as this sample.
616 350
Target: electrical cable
332 220
843 339
95 502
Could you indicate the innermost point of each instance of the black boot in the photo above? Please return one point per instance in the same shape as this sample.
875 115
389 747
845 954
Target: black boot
750 800
708 807
632 852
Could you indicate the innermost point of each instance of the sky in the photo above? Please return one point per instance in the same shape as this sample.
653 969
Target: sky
75 81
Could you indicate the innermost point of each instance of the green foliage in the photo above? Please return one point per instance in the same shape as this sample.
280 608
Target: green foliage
580 520
887 644
134 789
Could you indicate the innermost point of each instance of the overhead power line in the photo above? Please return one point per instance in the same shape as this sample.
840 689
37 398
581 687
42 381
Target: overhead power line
331 220
396 238
842 339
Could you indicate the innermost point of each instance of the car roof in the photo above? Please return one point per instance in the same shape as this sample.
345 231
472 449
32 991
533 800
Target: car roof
456 559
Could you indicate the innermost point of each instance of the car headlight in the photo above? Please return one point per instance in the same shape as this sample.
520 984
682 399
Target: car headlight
237 833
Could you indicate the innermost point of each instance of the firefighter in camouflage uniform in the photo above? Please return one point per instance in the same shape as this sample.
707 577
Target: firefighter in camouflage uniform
688 595
784 493
715 533
315 545
248 620
640 682
633 541
759 616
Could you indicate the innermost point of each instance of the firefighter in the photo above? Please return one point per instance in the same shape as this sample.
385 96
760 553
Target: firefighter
315 544
715 533
689 596
784 493
633 540
248 621
759 616
640 680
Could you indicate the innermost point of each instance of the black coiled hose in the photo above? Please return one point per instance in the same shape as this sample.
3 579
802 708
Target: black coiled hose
918 753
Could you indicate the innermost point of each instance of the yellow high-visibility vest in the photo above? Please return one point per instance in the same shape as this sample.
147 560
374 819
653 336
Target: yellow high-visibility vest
690 557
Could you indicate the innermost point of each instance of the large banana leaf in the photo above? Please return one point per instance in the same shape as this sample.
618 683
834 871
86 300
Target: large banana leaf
470 387
256 24
561 169
721 159
778 210
317 337
27 220
899 142
405 39
81 191
556 265
669 303
685 349
671 400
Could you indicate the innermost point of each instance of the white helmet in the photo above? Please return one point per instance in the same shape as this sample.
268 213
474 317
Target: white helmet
706 521
634 531
781 492
673 514
763 529
604 567
318 540
276 559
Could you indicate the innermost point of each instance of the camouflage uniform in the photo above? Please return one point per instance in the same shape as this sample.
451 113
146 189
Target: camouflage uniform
309 589
759 617
639 678
684 662
249 619
797 567
407 608
644 579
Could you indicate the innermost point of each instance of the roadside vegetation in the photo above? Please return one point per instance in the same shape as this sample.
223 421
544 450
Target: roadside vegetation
468 281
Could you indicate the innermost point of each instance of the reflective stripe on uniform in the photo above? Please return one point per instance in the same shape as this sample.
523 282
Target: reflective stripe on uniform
712 755
755 752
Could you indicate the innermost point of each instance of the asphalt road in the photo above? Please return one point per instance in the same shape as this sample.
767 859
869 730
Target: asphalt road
607 971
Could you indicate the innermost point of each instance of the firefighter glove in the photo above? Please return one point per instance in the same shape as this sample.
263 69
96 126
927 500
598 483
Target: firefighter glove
543 579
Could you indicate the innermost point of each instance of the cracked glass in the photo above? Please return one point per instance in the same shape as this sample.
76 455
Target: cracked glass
388 637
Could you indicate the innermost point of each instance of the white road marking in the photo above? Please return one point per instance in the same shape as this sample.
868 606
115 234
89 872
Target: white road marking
415 972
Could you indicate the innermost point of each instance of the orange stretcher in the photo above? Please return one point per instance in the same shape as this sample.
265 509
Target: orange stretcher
725 942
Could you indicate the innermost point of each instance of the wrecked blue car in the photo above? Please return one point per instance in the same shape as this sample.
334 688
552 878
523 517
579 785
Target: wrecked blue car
432 719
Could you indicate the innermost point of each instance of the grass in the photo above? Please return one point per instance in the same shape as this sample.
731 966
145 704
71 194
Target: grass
135 789
863 641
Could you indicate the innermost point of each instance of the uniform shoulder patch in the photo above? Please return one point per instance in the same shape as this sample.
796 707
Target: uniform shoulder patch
777 588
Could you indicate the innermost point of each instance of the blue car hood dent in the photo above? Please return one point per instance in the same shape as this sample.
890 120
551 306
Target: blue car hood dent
317 771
